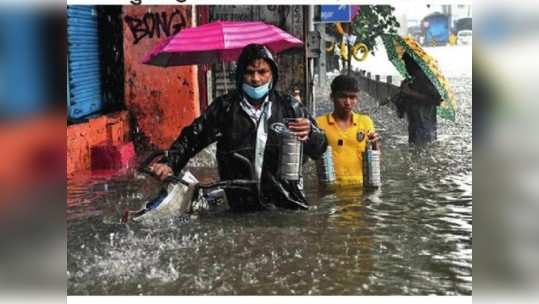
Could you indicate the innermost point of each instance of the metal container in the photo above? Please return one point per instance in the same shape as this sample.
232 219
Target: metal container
290 157
289 154
326 170
371 168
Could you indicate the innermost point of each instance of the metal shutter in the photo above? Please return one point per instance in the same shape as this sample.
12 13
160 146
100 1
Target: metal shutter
22 67
84 92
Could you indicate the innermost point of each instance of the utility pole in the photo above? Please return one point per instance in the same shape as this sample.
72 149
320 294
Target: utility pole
308 26
306 48
311 64
322 67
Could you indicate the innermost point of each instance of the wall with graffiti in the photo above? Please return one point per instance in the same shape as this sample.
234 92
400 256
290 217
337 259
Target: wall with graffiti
162 100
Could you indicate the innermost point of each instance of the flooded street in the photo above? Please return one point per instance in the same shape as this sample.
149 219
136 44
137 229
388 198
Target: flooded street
411 237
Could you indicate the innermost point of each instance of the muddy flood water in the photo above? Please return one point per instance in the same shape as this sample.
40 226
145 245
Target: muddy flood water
411 237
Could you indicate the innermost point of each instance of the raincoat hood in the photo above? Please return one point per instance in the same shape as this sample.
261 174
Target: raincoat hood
250 53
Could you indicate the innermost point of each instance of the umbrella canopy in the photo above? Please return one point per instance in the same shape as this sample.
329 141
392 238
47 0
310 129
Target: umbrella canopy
396 46
219 41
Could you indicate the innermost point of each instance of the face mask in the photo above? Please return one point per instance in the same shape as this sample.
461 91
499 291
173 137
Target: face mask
258 92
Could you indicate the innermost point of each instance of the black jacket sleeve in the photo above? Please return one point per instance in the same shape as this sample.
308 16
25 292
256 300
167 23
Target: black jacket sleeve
317 143
202 132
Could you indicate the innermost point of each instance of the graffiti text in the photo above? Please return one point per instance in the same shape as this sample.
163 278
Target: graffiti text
154 23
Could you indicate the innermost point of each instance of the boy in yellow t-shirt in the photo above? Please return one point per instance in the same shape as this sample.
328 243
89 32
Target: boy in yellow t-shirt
346 131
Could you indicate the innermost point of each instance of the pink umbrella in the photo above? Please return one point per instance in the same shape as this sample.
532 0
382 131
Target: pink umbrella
218 41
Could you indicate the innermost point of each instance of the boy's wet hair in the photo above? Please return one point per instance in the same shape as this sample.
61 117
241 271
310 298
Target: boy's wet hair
344 83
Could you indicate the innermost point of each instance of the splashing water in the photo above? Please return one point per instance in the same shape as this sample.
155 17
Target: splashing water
413 236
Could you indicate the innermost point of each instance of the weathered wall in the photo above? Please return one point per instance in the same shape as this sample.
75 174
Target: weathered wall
162 100
112 129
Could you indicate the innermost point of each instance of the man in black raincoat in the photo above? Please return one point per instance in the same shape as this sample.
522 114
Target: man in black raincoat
246 147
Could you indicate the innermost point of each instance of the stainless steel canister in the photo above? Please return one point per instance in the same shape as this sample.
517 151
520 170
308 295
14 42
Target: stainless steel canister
290 153
372 177
326 170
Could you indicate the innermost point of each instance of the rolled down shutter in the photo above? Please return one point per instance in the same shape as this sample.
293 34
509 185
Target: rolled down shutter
23 89
84 92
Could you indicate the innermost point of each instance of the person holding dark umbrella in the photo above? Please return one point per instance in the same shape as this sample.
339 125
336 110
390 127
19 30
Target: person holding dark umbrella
424 93
246 149
419 100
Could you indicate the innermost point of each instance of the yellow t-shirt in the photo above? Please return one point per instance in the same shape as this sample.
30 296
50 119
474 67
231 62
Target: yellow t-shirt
347 145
